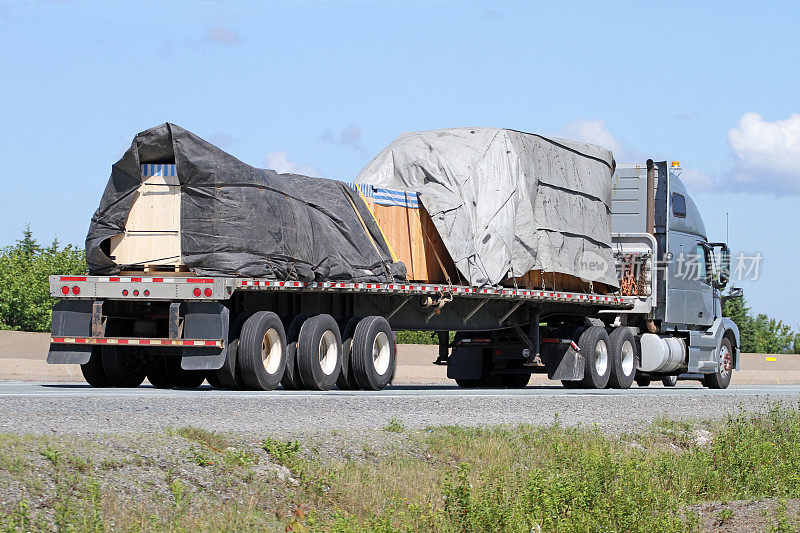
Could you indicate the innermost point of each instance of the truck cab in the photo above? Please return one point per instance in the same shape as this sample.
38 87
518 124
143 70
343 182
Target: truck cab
679 308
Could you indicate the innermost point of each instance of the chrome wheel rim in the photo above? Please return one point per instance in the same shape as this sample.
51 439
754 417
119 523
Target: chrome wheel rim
328 352
381 353
271 351
627 358
724 361
601 358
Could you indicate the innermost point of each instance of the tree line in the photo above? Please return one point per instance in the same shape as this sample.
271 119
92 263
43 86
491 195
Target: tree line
26 305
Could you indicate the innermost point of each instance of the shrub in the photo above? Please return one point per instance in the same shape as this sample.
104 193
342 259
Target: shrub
25 302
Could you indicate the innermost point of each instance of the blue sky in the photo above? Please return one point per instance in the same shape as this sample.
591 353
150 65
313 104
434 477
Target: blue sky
319 86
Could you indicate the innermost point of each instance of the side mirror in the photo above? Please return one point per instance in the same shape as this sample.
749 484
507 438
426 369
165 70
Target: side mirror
724 274
736 292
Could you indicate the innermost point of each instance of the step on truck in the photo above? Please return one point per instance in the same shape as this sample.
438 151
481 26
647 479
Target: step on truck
179 329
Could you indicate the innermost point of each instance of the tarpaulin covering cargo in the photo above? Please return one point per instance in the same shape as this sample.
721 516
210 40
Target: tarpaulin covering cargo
507 202
243 221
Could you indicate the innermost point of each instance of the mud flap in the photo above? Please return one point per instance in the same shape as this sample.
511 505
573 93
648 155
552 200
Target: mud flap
563 362
204 320
465 363
71 318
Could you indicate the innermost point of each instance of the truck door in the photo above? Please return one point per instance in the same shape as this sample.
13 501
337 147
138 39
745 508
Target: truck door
700 300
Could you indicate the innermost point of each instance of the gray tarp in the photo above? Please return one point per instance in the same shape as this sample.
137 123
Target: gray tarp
242 221
506 202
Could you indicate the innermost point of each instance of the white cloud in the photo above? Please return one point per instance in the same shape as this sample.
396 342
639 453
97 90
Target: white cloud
280 163
766 154
698 181
349 136
594 131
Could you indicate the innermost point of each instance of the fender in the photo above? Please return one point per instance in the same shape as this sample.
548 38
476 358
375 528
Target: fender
718 329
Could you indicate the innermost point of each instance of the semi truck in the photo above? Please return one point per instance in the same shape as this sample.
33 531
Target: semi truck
250 333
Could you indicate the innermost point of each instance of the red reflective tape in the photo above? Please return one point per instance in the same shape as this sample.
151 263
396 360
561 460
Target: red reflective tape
123 341
199 280
144 341
574 346
158 280
211 343
58 339
551 341
113 279
73 278
102 341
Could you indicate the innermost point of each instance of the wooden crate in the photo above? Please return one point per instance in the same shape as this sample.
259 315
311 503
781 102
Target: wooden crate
415 241
152 238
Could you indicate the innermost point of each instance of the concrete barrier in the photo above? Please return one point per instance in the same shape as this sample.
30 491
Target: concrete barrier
23 355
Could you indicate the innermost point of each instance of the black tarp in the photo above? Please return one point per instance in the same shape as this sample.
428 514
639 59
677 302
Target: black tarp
239 220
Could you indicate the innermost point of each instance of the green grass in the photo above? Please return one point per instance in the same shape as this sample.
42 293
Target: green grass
455 479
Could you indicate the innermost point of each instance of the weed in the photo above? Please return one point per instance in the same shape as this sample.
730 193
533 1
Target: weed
200 458
284 453
723 517
395 425
213 440
51 454
236 458
79 463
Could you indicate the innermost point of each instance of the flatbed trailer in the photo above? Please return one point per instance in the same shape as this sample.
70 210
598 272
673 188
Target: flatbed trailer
179 329
189 317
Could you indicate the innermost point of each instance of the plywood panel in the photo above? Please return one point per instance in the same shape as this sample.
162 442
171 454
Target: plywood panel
152 231
415 241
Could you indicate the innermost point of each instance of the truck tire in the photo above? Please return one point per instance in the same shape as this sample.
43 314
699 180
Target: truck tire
514 381
262 351
643 382
157 372
346 380
291 375
211 377
122 367
722 377
374 353
594 345
622 358
183 379
228 376
319 352
93 371
669 381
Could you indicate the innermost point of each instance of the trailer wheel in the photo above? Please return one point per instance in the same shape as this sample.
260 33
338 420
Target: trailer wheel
93 371
515 381
669 381
183 379
123 367
211 377
291 375
319 352
262 351
593 344
346 380
642 382
722 377
623 357
157 372
374 353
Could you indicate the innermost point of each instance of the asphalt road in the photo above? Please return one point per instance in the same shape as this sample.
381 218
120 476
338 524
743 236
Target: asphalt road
77 408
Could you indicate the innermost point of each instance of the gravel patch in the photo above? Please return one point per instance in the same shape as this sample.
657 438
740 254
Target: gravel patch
288 415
